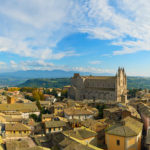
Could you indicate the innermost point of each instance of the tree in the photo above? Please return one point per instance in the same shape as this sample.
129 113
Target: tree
64 93
41 95
100 110
36 95
34 117
54 92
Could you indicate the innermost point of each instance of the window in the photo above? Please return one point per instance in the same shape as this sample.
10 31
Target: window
118 142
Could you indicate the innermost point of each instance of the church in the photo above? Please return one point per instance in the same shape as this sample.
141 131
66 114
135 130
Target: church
111 88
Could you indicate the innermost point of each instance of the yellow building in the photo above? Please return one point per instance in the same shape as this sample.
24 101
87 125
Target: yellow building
125 135
11 100
54 126
59 108
17 130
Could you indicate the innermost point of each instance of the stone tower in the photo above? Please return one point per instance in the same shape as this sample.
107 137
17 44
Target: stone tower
121 89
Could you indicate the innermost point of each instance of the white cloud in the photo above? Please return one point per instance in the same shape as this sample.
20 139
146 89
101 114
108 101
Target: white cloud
95 62
13 64
36 23
30 65
93 70
42 24
129 19
21 48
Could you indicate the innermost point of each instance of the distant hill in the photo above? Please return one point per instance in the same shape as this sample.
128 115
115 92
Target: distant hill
19 77
32 74
138 82
47 83
40 78
133 82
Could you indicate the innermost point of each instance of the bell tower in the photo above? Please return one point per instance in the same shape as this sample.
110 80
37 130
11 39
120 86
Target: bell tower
121 88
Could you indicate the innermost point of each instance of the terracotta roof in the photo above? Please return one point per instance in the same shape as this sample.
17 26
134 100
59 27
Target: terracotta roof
95 125
114 109
69 144
17 127
66 142
13 119
60 104
47 115
52 124
16 145
75 111
36 148
77 146
144 109
80 134
19 107
128 127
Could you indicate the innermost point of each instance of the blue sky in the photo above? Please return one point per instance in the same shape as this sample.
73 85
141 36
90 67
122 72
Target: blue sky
90 36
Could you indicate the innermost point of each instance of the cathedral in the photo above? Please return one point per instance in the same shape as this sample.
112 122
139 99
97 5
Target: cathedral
111 88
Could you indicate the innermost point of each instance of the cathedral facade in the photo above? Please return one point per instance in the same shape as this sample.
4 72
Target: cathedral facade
113 88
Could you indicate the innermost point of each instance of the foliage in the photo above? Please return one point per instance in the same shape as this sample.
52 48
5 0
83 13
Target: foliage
64 93
10 81
100 110
27 89
54 92
29 97
46 91
34 117
138 82
132 92
12 89
4 93
46 83
45 111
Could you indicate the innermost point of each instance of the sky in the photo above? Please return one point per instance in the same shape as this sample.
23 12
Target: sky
94 36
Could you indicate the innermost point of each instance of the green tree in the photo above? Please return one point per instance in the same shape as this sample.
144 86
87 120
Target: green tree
34 117
100 110
64 93
54 92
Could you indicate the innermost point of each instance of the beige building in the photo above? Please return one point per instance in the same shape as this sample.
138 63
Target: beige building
80 113
125 135
17 130
112 88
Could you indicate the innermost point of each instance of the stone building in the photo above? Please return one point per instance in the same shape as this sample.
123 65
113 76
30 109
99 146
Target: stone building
113 88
